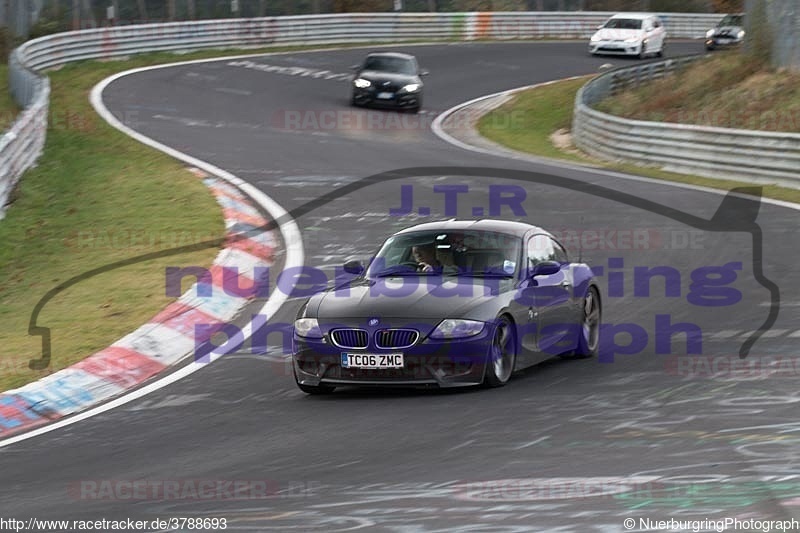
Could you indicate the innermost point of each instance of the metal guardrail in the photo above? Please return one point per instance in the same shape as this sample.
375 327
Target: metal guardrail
700 150
22 145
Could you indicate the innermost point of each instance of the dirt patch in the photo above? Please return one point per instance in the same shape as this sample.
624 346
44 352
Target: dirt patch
562 139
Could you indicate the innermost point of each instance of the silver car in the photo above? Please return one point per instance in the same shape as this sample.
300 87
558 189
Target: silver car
729 32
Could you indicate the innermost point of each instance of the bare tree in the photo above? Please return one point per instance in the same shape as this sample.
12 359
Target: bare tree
786 24
76 14
142 10
773 32
728 6
88 15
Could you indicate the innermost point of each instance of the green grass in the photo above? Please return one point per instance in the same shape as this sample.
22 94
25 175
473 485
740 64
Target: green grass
8 108
92 181
728 91
527 121
96 197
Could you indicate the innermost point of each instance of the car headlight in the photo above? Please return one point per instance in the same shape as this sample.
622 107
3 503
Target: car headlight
595 38
411 87
307 327
709 34
740 35
632 40
361 83
453 328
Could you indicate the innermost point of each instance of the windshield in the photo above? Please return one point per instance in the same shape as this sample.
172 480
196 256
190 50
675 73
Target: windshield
390 64
731 20
456 253
624 24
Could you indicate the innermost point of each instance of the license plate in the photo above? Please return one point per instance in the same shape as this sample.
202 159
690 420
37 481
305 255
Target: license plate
385 96
724 41
371 360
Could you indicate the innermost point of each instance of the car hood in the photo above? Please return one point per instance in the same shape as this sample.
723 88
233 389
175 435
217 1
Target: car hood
733 30
613 34
407 297
378 75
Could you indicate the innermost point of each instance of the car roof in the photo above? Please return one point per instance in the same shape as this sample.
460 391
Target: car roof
391 54
637 16
501 226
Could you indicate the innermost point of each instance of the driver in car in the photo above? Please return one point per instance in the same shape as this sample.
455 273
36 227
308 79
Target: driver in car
425 256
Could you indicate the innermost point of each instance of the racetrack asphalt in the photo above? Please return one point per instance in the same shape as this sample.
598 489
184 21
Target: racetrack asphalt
576 445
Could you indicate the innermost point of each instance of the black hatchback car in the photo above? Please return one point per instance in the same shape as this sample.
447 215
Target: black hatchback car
388 79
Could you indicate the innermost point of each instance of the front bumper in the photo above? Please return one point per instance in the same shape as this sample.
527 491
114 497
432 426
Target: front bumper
454 363
615 48
399 100
722 42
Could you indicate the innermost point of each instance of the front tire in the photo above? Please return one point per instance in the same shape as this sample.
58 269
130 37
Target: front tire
589 340
502 354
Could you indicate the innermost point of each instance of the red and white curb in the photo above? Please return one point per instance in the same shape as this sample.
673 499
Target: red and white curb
103 381
165 340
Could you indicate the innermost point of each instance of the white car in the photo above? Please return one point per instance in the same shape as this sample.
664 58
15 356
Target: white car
637 34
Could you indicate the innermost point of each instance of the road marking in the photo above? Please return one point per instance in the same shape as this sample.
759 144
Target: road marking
462 445
532 443
726 334
239 92
292 71
772 333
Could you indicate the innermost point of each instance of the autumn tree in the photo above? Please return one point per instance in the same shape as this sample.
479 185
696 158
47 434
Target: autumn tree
728 6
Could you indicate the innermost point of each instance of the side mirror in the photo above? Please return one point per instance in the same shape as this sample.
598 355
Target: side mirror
649 29
354 266
600 27
545 268
423 72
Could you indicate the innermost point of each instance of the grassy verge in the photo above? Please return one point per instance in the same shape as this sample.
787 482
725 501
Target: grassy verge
8 108
528 121
95 197
727 91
